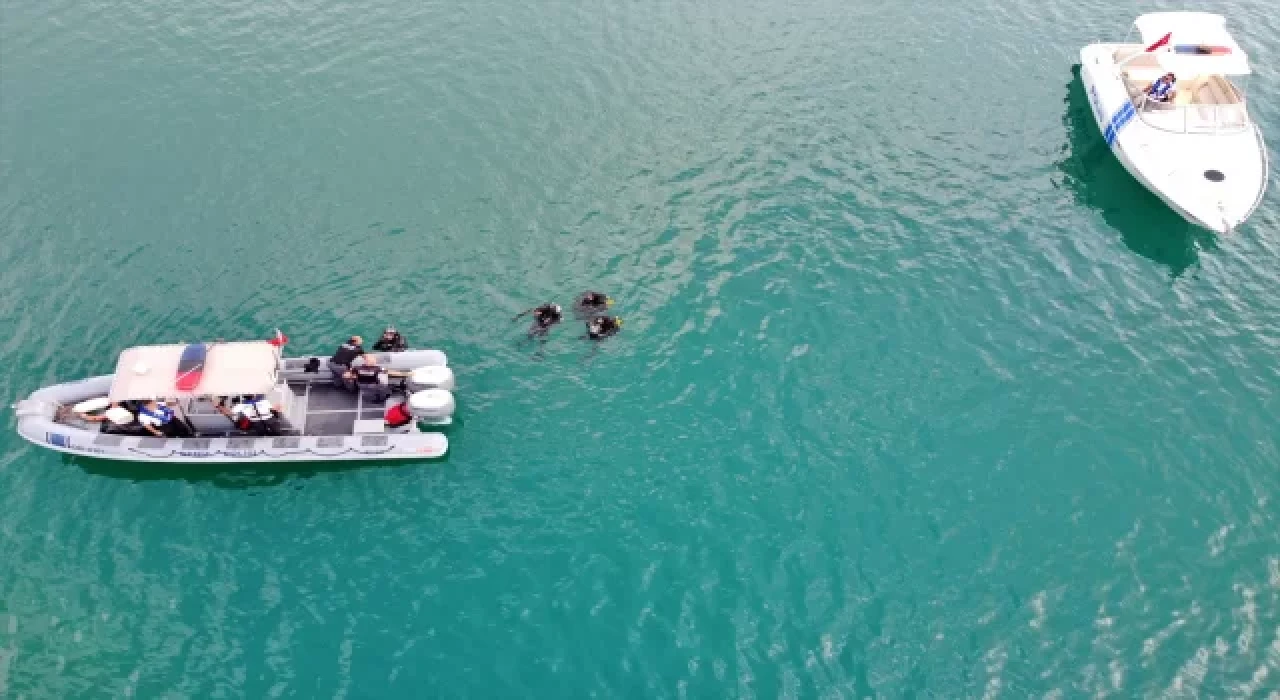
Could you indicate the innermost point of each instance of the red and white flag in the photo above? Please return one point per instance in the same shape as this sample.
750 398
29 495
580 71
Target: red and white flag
1163 41
279 340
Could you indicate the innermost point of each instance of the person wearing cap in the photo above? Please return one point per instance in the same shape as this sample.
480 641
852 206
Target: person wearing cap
252 413
340 363
160 420
391 341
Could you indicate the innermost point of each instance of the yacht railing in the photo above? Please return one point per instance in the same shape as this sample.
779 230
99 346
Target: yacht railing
1266 172
1194 118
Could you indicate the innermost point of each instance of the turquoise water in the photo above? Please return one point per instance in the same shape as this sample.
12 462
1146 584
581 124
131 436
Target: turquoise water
919 393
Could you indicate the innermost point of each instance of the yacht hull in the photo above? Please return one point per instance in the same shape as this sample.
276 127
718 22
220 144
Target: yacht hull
1212 178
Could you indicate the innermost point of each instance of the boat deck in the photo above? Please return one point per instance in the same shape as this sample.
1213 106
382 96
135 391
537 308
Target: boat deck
329 410
316 408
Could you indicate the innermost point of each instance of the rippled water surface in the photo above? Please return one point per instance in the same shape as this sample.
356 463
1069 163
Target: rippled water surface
919 393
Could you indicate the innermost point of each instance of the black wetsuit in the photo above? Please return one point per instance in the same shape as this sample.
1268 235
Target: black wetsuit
346 353
341 360
544 317
602 327
395 343
372 382
594 301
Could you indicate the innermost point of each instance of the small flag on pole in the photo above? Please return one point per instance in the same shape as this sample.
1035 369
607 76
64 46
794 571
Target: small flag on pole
279 340
1163 40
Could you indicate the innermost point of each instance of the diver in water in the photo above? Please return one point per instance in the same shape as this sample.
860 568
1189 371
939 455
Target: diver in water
602 327
391 341
592 303
544 317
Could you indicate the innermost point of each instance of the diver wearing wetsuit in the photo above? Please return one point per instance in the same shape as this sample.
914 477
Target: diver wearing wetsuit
391 341
544 317
593 303
602 327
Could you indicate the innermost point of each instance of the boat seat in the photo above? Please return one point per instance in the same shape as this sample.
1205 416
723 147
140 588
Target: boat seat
1215 90
282 399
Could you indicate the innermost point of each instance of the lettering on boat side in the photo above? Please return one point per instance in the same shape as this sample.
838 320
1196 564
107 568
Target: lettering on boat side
64 441
1093 102
227 453
1119 120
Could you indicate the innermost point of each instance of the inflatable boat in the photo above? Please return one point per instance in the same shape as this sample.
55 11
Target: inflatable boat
314 415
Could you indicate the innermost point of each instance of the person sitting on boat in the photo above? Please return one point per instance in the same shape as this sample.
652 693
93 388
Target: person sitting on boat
1163 90
102 411
252 413
602 327
591 303
391 341
340 363
372 380
159 419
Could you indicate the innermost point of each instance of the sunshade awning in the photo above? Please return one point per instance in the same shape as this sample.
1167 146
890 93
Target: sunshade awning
151 371
1189 33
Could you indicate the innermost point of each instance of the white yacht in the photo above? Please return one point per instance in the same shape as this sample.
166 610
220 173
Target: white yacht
1199 151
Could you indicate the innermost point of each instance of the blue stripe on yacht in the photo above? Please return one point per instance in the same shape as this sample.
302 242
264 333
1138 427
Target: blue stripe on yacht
1118 121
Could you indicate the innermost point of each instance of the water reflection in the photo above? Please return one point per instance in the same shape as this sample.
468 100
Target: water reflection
1097 180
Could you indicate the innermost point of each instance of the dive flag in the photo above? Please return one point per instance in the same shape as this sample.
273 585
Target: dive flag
1163 40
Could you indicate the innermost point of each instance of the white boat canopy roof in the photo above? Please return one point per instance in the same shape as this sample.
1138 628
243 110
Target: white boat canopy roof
1193 29
151 371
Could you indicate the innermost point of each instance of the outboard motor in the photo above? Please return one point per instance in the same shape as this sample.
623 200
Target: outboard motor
432 377
432 405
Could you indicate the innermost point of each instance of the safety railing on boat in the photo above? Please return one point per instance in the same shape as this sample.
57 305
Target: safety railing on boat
1266 171
1194 118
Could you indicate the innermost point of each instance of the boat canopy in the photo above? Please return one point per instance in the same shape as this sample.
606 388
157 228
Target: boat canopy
151 371
1199 43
